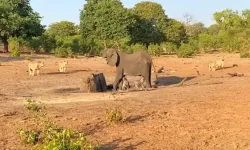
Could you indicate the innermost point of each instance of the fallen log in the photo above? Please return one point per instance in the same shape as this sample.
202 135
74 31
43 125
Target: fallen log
93 83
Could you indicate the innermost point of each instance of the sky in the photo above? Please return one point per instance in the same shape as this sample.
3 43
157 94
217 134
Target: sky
202 10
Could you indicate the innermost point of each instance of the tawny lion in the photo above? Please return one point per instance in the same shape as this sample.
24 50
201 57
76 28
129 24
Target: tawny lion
219 64
35 66
62 66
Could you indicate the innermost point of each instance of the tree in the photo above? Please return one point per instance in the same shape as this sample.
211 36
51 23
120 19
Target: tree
63 28
175 32
18 19
228 19
193 30
213 29
150 23
104 20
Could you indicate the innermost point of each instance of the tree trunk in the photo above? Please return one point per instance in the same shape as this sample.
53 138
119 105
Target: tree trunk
147 45
6 45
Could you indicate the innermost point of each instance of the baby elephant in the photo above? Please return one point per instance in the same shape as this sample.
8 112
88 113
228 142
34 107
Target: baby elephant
125 84
139 83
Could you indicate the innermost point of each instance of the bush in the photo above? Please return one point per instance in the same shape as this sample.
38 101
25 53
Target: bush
186 50
154 50
207 42
14 47
29 137
169 47
48 136
48 43
245 55
63 52
35 43
114 115
135 48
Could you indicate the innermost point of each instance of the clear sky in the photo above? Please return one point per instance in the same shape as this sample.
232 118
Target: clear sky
202 10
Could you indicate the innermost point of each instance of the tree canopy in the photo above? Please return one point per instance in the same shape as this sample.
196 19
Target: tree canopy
18 19
63 28
146 26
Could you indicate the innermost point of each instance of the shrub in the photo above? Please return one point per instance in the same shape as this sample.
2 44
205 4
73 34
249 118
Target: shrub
14 47
48 136
33 105
207 42
169 47
63 52
35 43
48 43
186 50
29 137
245 55
114 115
154 50
136 47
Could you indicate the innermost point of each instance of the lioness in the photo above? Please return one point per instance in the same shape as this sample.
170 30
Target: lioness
219 64
62 66
35 66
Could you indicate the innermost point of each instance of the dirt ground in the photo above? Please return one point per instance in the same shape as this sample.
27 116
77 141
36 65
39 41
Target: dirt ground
210 111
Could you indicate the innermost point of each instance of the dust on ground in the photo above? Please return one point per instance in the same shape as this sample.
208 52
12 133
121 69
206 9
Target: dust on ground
210 111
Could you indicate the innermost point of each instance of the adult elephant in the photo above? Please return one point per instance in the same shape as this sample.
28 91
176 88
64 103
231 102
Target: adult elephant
136 64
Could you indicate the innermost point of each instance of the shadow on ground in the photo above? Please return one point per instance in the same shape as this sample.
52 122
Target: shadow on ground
21 58
67 72
115 144
67 90
171 80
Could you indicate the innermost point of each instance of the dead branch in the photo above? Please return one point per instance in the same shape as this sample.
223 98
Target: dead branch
236 74
182 82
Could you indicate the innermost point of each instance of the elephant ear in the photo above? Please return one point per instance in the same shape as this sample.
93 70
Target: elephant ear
112 60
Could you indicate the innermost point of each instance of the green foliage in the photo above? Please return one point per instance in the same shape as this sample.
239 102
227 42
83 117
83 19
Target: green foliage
193 30
48 43
33 105
18 19
114 115
48 136
245 55
63 28
154 50
207 42
135 48
63 52
29 137
169 47
35 43
150 23
64 139
104 20
186 50
14 47
175 32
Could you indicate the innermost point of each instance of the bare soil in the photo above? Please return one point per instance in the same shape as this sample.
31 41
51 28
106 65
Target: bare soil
209 111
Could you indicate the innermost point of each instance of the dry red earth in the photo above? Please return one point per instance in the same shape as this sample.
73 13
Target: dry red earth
210 111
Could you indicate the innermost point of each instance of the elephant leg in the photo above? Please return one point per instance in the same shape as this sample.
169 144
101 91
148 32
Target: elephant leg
118 78
147 76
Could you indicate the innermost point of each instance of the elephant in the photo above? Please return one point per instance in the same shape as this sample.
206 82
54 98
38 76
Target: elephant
136 64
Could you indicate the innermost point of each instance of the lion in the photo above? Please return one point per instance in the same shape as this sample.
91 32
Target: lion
35 66
62 66
219 64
